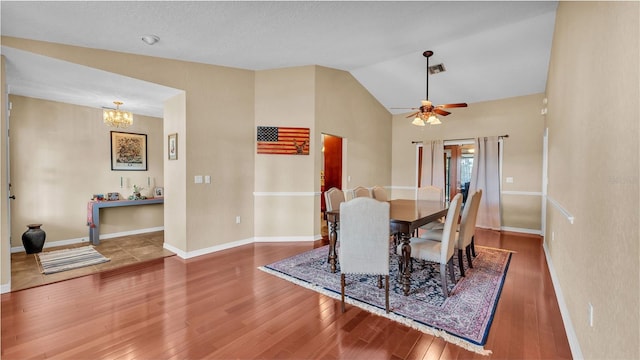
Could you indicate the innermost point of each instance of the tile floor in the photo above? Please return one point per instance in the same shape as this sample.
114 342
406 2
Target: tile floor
127 250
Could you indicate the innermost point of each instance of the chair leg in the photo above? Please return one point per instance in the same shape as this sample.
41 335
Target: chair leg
452 272
473 245
386 293
468 251
460 262
443 277
342 289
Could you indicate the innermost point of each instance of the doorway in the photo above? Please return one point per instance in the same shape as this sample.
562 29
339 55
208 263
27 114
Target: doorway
458 164
331 172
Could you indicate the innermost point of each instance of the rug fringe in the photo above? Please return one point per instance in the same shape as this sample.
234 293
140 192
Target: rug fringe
381 312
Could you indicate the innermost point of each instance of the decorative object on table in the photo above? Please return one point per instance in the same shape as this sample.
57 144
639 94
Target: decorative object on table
116 117
282 140
128 151
113 196
97 197
137 193
464 318
66 259
172 147
158 192
33 239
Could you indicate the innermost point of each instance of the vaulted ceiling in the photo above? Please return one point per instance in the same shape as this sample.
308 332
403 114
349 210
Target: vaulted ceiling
490 50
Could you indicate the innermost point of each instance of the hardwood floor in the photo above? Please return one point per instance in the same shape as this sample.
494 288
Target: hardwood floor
220 306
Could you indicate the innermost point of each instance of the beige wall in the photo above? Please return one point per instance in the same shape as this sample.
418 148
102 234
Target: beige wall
60 156
5 260
518 117
593 111
218 137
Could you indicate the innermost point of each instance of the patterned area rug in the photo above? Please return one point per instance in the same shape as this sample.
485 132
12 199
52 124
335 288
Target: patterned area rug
67 259
463 319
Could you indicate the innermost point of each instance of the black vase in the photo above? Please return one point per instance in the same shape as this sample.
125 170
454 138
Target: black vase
33 239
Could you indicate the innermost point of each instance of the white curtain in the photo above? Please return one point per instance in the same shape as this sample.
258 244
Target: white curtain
486 176
433 164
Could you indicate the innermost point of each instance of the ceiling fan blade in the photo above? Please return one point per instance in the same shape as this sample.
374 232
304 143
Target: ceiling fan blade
445 106
441 112
412 115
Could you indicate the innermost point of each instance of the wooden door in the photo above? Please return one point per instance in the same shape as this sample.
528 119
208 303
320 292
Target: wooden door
332 153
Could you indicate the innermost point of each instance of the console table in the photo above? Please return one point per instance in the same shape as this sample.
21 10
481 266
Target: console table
93 213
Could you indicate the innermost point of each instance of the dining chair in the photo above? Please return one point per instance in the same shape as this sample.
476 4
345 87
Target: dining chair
440 251
364 241
465 232
431 193
379 193
332 199
361 191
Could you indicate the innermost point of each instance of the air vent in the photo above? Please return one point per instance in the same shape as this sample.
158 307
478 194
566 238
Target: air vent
436 69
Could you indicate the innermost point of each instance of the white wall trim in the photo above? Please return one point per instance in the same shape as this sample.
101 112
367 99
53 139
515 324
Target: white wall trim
16 249
287 193
261 239
191 254
574 344
515 192
5 288
403 188
521 230
564 211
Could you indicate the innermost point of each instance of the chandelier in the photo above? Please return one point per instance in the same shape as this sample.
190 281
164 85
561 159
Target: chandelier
117 118
424 116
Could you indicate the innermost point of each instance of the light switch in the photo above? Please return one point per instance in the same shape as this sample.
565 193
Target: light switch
198 179
207 179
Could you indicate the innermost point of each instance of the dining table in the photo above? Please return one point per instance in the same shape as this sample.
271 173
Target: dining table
405 217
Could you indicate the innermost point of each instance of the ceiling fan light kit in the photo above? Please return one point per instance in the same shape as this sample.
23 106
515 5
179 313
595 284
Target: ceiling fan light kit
427 112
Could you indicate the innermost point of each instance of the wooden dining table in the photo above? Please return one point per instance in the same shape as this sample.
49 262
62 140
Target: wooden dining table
405 217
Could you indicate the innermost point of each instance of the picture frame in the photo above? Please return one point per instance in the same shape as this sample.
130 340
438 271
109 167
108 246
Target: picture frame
172 146
128 151
158 192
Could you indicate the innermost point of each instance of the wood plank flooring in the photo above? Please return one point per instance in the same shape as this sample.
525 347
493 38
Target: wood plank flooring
220 306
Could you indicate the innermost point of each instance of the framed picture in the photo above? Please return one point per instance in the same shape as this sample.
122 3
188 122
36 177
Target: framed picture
128 151
158 192
173 146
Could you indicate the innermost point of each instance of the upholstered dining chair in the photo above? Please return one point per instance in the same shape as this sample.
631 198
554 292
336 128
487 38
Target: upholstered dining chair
332 199
379 193
364 241
361 191
431 193
465 232
441 251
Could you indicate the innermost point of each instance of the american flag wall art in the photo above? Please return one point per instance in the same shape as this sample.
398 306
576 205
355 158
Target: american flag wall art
283 140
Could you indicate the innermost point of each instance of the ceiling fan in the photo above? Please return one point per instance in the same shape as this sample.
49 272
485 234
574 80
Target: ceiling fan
427 112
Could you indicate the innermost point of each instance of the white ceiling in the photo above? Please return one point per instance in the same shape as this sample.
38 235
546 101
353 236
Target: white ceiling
491 50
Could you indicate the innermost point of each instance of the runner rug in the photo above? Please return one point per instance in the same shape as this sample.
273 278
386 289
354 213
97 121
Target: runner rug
67 259
464 318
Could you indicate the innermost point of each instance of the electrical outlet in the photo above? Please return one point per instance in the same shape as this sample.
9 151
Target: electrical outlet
509 180
590 315
238 219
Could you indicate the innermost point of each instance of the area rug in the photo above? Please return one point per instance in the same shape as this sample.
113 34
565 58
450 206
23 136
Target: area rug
66 259
464 318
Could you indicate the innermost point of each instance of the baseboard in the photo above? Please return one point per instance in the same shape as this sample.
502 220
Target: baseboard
521 230
191 254
574 345
5 288
16 249
286 238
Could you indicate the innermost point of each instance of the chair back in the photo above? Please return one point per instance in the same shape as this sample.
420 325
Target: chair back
333 198
468 219
431 193
361 191
379 193
364 237
450 229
